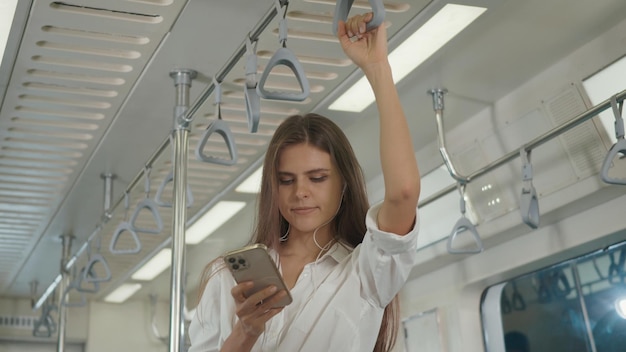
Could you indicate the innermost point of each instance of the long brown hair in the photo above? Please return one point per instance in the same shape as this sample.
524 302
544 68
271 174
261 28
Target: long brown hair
348 225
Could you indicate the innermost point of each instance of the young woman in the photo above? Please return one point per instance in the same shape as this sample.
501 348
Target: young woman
342 262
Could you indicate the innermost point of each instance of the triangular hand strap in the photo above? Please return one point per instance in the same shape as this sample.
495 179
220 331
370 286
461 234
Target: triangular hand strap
90 275
45 325
121 228
618 147
84 286
284 56
153 207
220 127
464 225
461 226
67 302
159 195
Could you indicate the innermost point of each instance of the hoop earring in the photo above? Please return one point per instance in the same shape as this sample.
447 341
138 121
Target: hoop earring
285 236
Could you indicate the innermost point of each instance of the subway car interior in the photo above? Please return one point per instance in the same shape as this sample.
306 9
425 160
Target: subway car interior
132 134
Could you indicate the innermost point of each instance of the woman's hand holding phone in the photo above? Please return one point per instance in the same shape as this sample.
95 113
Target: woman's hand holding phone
254 311
260 292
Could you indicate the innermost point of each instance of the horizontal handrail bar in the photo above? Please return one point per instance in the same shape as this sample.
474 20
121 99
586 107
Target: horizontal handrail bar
530 145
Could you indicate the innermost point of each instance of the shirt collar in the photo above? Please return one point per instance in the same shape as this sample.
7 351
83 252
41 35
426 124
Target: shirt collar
338 252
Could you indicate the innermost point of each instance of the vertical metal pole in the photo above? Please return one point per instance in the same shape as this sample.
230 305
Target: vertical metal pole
180 146
438 107
583 306
66 242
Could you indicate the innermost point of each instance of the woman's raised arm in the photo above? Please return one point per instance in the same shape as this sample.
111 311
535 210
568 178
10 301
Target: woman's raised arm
400 172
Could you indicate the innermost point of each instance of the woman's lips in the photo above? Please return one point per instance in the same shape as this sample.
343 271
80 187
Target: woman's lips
303 210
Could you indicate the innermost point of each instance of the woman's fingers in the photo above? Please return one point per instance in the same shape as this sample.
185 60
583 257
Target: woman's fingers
357 25
254 311
238 291
257 302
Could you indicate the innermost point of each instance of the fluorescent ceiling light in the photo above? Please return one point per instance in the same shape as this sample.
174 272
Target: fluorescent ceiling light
252 184
154 266
7 11
212 220
429 38
602 86
122 293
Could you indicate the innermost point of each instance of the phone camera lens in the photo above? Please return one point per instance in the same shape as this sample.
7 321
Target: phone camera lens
242 261
231 260
235 266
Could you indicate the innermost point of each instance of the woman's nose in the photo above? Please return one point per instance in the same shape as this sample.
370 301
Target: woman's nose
302 191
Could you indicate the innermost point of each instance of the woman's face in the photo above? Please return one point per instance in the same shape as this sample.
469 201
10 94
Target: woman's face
309 187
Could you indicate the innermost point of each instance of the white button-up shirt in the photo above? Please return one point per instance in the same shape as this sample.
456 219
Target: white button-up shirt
338 301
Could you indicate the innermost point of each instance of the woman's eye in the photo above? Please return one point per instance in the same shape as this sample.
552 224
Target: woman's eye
285 181
318 179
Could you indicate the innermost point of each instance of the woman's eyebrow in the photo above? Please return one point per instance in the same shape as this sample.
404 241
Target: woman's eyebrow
309 172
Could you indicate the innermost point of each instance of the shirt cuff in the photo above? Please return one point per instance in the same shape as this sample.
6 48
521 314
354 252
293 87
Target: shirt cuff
389 242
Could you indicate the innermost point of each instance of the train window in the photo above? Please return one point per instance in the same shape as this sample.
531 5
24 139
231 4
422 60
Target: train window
436 217
601 86
577 305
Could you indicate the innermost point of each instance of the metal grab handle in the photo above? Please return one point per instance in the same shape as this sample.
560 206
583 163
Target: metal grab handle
158 197
618 147
121 228
343 9
529 203
89 275
438 106
153 207
464 225
220 127
251 97
284 56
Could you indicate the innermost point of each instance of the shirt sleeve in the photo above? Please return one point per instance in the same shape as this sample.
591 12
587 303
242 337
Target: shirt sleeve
385 259
211 324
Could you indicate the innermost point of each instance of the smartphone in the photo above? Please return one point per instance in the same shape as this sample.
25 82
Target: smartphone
253 263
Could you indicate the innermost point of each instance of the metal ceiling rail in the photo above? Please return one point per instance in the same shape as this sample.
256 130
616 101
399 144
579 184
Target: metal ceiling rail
188 116
619 97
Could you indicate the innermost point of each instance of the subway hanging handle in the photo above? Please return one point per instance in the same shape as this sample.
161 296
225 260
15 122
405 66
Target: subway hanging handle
461 226
284 56
251 96
529 203
342 9
221 128
618 147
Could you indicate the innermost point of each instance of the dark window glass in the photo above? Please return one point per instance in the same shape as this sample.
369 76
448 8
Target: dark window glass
571 306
